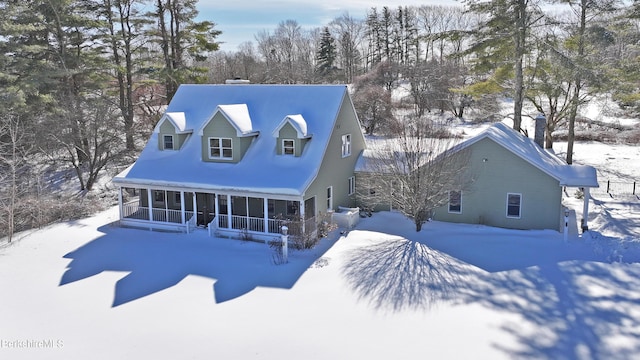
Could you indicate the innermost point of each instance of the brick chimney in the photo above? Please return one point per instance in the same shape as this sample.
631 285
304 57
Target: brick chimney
541 122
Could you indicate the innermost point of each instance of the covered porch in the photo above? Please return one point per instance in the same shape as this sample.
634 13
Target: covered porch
224 214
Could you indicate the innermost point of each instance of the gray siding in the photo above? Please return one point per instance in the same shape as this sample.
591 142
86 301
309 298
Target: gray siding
219 127
166 128
288 132
503 173
336 170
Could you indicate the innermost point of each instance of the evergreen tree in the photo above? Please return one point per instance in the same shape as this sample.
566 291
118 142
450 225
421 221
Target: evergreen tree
502 43
123 31
183 42
326 54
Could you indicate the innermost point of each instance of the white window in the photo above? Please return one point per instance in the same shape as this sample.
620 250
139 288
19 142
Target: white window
352 185
455 202
514 204
167 142
220 148
288 147
330 198
176 198
346 145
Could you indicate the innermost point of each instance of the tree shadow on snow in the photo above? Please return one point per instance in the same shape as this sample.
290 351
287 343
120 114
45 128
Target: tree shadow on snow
572 303
156 261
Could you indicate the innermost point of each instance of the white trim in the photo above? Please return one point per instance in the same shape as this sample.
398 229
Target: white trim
221 148
177 120
585 210
346 145
293 147
351 185
298 123
182 209
329 198
449 202
173 142
223 109
519 206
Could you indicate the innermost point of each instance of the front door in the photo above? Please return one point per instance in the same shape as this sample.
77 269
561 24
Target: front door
206 207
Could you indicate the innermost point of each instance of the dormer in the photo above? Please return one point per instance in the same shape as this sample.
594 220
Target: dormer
291 135
172 131
227 134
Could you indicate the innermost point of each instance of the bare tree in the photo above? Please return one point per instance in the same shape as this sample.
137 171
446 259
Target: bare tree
102 134
349 35
372 100
12 169
414 171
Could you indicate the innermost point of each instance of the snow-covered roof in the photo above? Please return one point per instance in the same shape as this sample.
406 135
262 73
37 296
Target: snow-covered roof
261 170
376 157
528 150
298 122
238 116
178 120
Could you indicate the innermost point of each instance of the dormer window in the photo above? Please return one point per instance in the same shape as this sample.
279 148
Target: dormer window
172 131
167 141
221 148
346 145
288 147
291 135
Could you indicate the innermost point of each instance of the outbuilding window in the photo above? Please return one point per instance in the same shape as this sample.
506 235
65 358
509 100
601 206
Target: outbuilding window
455 202
514 204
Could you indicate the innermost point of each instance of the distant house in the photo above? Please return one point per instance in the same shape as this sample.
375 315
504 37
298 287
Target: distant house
244 159
516 183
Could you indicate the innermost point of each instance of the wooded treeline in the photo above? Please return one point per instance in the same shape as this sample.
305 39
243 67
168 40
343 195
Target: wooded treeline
83 82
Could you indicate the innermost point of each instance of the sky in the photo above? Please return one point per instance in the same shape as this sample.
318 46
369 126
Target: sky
241 20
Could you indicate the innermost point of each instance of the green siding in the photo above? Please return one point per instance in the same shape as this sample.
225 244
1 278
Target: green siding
336 170
289 132
166 128
502 173
219 127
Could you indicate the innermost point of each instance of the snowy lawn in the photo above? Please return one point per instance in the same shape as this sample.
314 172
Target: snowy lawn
89 289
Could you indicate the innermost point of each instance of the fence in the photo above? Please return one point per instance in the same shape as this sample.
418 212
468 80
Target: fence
619 188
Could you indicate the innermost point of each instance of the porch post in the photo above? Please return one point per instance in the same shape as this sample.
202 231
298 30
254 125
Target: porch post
120 204
216 209
195 207
265 206
166 206
302 216
182 215
229 214
150 200
585 210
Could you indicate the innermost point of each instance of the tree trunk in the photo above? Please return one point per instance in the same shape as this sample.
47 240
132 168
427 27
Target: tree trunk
519 42
575 101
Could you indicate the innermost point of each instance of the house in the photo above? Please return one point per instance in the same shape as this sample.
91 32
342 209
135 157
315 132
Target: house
244 159
515 183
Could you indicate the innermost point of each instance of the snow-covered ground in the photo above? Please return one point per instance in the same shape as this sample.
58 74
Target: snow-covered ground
89 289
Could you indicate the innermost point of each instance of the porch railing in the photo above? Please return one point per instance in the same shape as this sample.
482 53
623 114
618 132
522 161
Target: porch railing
223 221
167 215
133 210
